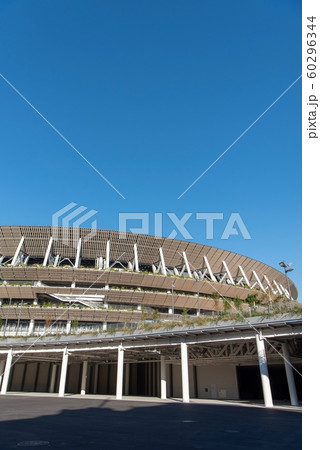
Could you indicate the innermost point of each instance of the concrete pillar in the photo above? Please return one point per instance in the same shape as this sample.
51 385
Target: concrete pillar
290 378
68 327
120 372
127 380
53 378
31 327
163 378
84 377
2 366
63 375
267 395
185 373
6 374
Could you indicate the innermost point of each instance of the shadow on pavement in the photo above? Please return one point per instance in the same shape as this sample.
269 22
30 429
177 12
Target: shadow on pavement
109 424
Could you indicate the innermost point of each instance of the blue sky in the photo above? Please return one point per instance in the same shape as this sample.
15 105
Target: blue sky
152 92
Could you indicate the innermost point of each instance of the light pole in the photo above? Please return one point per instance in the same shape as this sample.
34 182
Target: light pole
287 268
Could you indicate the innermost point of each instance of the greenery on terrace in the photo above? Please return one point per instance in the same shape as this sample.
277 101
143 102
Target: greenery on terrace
152 321
252 299
113 269
186 322
251 302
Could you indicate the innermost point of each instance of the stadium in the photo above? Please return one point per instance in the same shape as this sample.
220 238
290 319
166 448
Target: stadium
103 312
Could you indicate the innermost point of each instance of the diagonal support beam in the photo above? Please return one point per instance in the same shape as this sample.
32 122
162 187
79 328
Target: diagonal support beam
277 287
269 284
16 255
258 280
285 291
187 264
78 256
56 261
136 261
213 278
163 264
228 272
48 251
244 276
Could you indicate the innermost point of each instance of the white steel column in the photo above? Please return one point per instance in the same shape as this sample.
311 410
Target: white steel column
84 377
228 272
290 379
46 258
78 256
120 373
63 375
53 378
163 264
267 395
136 261
107 263
16 255
163 376
185 373
285 291
187 264
31 327
6 374
244 276
277 287
2 366
258 280
269 284
213 278
68 327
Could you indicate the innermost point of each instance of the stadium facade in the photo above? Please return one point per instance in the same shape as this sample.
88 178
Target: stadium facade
97 311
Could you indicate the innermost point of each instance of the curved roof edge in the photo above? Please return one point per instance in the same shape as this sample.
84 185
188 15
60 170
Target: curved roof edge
195 251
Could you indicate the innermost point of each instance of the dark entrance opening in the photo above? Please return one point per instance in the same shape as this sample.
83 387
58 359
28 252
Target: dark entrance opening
250 388
144 379
141 379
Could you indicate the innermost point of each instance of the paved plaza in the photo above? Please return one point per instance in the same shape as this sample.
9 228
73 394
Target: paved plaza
98 423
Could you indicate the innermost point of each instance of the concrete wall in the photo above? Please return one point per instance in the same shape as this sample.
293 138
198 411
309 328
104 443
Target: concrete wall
73 378
43 377
177 381
17 377
217 381
30 377
207 381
